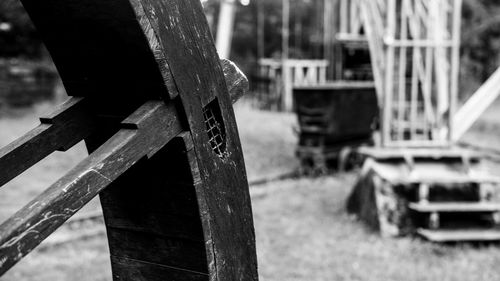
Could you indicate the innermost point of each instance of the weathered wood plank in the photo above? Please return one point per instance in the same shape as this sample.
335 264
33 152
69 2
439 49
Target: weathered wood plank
222 191
156 123
133 270
236 81
168 251
460 235
65 127
164 215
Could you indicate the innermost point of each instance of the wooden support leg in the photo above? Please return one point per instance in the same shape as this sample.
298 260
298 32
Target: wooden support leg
434 220
466 164
423 193
343 157
495 217
410 163
485 192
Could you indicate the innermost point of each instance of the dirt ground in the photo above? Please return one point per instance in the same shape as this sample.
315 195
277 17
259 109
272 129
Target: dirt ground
302 229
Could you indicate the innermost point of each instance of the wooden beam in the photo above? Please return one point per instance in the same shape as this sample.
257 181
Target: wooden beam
145 132
236 81
73 121
70 123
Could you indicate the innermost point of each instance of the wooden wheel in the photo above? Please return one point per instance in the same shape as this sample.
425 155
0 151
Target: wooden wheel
151 102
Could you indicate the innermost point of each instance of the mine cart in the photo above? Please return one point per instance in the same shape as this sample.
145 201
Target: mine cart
333 119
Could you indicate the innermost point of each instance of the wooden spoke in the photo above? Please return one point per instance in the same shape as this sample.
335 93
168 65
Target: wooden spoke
65 127
145 132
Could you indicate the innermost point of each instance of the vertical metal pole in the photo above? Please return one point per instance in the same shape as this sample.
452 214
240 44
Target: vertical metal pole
455 65
402 97
329 41
336 67
285 71
260 29
344 14
416 54
389 85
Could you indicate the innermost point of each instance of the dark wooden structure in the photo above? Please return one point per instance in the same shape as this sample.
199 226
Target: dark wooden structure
334 118
150 99
352 60
442 195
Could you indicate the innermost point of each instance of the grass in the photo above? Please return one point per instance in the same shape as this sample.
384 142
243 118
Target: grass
305 234
302 229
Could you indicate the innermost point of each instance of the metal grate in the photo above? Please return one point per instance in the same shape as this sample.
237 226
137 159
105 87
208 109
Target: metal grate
215 128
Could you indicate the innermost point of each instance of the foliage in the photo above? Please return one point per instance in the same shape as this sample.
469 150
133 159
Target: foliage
480 33
305 29
21 38
481 37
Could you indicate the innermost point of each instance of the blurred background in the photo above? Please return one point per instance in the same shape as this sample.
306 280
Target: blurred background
302 227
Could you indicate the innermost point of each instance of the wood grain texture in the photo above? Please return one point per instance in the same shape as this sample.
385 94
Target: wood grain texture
236 80
133 270
66 126
124 53
179 215
154 205
156 124
73 121
223 190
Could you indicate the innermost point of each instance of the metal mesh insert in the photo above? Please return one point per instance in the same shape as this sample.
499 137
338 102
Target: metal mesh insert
215 128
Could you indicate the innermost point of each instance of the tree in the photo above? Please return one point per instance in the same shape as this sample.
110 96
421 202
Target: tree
481 36
20 38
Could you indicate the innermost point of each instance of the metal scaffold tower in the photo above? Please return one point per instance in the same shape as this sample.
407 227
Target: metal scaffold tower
414 47
416 180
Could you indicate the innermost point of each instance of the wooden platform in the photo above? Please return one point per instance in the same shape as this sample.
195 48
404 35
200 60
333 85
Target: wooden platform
418 153
431 172
427 192
455 207
460 235
338 85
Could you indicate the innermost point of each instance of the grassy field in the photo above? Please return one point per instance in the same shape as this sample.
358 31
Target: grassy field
303 231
